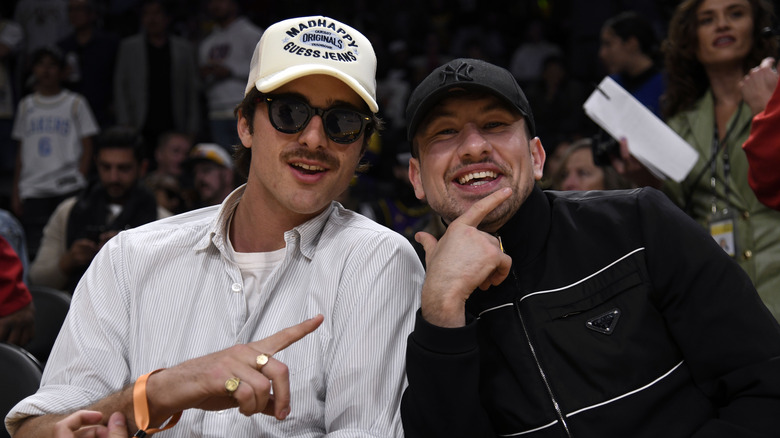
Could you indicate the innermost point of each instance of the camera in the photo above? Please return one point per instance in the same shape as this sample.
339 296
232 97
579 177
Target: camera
604 147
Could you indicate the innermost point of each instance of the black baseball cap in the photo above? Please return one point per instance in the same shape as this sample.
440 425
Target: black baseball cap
467 74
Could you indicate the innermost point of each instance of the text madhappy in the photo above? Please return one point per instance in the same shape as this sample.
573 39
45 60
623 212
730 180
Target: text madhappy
323 23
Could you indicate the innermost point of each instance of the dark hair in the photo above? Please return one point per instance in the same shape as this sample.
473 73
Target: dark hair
687 81
48 51
121 137
246 109
612 179
166 136
630 24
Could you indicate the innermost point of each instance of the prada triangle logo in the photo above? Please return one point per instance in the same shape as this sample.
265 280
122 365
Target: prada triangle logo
455 74
604 323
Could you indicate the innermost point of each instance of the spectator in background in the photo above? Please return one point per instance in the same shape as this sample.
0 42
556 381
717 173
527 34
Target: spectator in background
223 67
90 54
13 232
555 150
167 192
54 129
400 210
527 60
393 89
81 225
44 22
710 48
17 313
156 80
579 172
171 153
435 52
212 173
557 99
629 51
170 181
762 148
11 38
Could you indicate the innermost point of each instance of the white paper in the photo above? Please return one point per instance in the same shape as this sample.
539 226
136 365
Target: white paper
650 140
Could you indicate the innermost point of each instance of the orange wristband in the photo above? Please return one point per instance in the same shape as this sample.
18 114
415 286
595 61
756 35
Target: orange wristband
141 408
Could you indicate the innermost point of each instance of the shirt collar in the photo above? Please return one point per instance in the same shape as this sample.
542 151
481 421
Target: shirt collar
306 236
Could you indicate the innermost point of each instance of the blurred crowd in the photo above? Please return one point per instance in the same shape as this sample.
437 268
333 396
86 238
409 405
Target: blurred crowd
114 113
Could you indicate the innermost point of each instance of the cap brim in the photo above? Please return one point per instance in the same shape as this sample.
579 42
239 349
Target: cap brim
276 80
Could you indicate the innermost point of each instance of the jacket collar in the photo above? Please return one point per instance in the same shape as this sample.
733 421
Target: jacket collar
701 121
525 234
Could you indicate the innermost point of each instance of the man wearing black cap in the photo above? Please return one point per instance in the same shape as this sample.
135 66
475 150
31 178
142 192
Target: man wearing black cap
599 313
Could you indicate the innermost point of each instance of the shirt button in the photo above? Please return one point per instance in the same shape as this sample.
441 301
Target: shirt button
746 215
236 287
748 254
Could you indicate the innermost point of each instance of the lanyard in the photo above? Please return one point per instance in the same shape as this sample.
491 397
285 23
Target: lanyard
717 145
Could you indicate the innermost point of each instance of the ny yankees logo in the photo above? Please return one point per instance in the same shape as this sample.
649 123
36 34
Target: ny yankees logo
459 73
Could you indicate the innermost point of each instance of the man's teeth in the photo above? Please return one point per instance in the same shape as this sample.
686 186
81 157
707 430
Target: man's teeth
477 175
308 167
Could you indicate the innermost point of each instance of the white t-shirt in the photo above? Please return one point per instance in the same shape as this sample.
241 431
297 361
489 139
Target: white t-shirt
255 269
232 47
50 129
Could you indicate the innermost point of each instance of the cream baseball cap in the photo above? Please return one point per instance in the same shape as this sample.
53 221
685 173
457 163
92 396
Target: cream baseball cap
211 152
304 46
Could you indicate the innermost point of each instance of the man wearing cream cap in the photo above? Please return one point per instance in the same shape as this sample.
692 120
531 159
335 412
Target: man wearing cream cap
214 298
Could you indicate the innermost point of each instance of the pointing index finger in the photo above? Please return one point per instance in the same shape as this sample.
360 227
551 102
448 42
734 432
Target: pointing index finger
284 338
477 212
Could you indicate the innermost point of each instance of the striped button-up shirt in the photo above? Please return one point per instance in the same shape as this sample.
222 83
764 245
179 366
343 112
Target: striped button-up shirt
166 292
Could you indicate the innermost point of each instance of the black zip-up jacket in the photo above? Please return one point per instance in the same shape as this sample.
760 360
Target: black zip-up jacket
621 318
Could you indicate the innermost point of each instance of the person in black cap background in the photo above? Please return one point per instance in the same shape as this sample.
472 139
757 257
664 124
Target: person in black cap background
601 313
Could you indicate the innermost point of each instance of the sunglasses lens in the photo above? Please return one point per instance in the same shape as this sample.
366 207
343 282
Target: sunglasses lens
289 115
343 126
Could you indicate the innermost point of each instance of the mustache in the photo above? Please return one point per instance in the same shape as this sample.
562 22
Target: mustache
318 155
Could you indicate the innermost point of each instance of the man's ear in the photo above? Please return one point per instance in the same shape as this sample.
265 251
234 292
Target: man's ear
415 178
244 133
537 156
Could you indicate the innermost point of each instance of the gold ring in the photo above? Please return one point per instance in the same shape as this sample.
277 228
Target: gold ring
261 360
231 385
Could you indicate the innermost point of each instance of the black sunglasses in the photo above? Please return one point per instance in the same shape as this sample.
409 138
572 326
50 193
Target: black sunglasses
290 114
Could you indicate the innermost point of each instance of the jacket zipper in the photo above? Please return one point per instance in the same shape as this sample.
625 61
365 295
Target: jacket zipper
557 407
